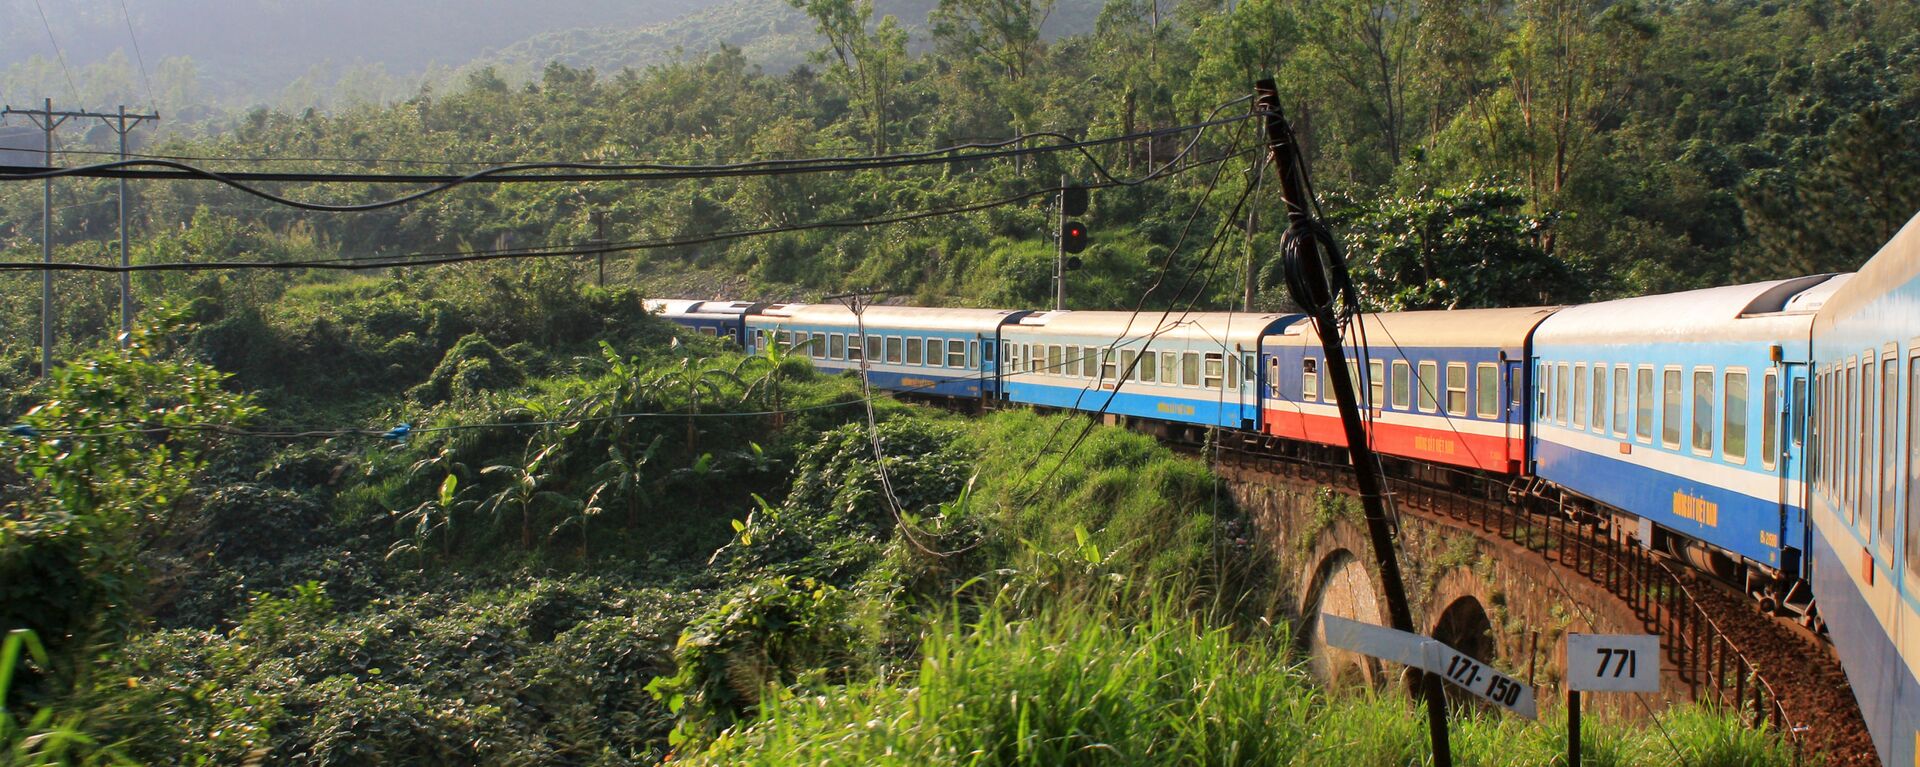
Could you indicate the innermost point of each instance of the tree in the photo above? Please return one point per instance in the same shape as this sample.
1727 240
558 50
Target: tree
1450 248
1005 32
866 62
526 490
1840 212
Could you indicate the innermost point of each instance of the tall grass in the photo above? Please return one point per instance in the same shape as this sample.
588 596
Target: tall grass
1071 687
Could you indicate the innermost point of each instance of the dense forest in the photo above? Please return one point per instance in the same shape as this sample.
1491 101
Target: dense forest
496 513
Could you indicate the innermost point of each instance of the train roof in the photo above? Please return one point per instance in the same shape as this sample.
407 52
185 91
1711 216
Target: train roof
1762 311
691 307
1238 330
877 318
1895 265
1447 328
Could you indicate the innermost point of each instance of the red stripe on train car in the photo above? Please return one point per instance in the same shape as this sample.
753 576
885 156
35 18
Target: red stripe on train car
1480 451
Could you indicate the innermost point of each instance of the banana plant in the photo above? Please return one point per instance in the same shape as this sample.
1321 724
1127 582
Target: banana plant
434 516
694 379
773 360
526 490
624 476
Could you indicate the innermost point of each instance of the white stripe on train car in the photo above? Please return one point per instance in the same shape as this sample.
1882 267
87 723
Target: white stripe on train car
1762 485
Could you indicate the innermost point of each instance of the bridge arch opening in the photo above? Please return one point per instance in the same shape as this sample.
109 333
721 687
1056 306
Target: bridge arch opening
1465 626
1340 586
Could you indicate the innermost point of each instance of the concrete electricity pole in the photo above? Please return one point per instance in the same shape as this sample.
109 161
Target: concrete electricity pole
46 119
120 124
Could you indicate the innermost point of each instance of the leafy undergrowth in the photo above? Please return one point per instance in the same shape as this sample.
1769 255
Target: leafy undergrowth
1071 686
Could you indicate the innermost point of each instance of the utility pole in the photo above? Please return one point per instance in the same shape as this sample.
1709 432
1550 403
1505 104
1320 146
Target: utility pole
121 125
600 241
1317 280
46 119
1060 248
1248 279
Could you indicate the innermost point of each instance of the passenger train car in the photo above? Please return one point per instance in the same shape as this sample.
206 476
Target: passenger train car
1767 432
1447 387
941 352
1675 407
725 319
1865 488
1196 369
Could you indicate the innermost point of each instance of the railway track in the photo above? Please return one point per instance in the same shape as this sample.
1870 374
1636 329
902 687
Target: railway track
1719 645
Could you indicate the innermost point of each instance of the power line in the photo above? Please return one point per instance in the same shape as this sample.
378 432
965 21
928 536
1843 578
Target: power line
57 53
592 172
349 263
152 103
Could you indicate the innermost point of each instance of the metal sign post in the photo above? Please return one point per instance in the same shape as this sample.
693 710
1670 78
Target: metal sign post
1607 663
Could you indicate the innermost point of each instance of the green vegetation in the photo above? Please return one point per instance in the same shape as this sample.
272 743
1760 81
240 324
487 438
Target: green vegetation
498 514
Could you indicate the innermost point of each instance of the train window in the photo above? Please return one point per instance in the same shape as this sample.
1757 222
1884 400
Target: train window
1089 362
1456 388
1376 383
1622 401
1215 371
973 353
1542 385
1108 360
873 347
934 357
1643 404
1600 398
1326 388
1353 378
957 354
1580 396
1054 366
1037 359
818 344
1844 475
1703 411
1169 367
1799 402
853 347
1889 444
1733 418
1486 390
1561 402
893 348
1233 376
1130 365
914 345
1273 372
1913 466
1402 388
1428 383
1670 407
1863 466
1190 369
1250 370
1769 419
1149 372
1309 379
837 346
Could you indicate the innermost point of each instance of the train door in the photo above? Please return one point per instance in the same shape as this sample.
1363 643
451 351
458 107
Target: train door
1787 399
1514 420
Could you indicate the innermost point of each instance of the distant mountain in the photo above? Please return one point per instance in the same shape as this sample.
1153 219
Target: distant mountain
205 57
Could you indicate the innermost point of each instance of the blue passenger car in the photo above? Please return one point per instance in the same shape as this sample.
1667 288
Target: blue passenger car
1674 409
1193 368
1865 489
724 319
936 352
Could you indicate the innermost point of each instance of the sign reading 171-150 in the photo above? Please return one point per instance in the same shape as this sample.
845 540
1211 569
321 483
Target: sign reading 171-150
1434 656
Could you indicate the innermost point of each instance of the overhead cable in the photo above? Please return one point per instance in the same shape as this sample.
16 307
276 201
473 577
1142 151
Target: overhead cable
150 169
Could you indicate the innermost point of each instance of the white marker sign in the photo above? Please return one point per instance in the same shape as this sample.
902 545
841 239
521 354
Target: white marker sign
1613 662
1434 656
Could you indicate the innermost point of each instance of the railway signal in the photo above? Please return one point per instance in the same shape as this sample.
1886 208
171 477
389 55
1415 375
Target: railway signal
1070 236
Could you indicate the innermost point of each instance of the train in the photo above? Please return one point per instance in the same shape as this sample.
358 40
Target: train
1764 432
